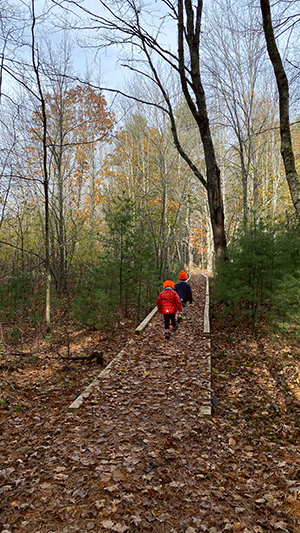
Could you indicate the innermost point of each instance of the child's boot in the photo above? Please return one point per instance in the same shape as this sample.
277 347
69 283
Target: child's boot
167 334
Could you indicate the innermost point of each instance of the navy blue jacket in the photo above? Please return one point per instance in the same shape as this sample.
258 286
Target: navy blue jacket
184 291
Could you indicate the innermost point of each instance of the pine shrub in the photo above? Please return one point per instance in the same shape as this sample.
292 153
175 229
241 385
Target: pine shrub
286 294
262 275
16 295
244 282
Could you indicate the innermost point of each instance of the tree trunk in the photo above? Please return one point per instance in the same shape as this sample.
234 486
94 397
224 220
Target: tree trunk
45 171
244 174
283 90
62 274
191 31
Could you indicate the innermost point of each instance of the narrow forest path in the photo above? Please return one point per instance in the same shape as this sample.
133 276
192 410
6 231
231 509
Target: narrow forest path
139 455
175 374
123 460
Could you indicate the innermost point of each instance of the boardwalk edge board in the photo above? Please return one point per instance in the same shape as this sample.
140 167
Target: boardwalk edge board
207 410
206 329
145 322
85 394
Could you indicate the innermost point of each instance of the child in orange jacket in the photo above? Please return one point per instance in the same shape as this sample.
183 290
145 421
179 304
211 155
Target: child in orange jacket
168 302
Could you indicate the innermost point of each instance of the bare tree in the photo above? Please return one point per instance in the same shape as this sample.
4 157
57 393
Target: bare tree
36 68
233 63
11 29
129 24
283 91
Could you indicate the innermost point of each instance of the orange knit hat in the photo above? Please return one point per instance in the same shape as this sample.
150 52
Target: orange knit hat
168 283
182 275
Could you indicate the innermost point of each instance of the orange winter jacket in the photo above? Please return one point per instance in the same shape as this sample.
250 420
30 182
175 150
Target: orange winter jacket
168 302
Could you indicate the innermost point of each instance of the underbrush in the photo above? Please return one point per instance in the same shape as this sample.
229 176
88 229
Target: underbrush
260 278
22 313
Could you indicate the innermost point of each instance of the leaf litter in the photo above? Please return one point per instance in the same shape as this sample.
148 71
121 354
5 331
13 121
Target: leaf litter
139 455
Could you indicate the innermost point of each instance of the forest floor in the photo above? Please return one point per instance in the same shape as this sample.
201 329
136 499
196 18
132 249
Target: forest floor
139 456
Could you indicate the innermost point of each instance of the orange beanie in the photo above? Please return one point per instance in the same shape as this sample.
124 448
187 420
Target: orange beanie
168 283
182 275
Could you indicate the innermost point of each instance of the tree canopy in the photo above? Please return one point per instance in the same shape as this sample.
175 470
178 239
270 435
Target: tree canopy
190 141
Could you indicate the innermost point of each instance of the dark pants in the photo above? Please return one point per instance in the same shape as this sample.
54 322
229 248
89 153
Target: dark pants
168 318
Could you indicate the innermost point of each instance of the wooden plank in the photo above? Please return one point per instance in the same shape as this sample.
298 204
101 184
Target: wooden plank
103 374
206 408
206 328
146 321
85 394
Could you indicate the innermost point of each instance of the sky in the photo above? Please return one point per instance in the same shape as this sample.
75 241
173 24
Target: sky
113 74
104 67
51 27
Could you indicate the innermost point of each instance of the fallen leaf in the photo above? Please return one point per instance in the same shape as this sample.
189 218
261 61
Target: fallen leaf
136 519
117 475
280 525
119 528
108 524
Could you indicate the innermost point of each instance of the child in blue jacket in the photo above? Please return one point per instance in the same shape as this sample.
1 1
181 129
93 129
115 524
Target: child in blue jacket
184 292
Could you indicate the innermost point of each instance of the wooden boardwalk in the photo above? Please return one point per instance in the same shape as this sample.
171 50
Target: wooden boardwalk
137 436
138 452
175 373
